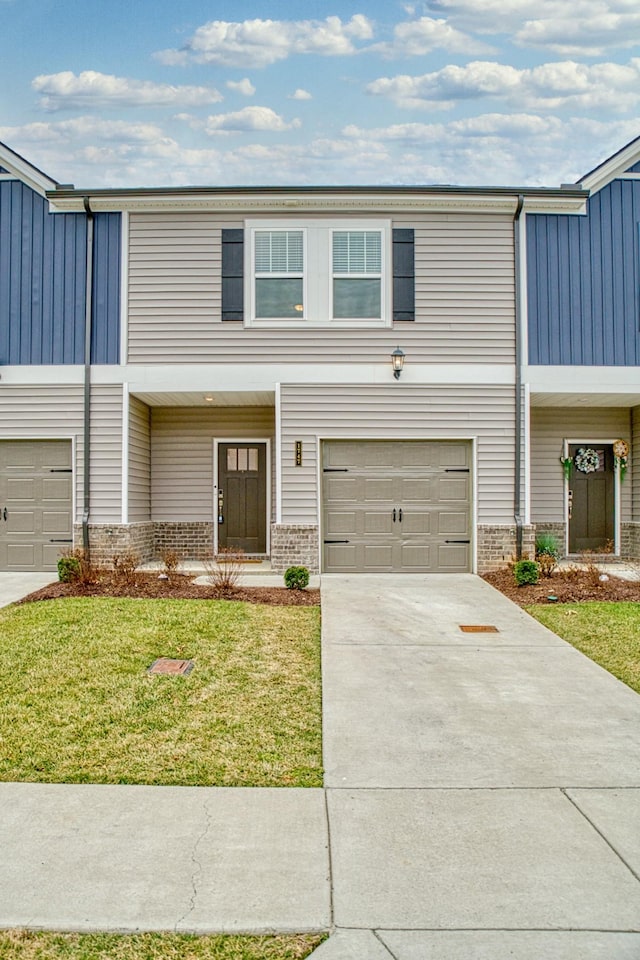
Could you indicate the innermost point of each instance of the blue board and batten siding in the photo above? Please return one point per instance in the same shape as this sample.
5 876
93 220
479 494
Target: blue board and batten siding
583 276
42 282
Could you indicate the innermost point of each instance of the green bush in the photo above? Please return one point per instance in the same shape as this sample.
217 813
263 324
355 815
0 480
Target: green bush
68 569
296 578
525 572
547 544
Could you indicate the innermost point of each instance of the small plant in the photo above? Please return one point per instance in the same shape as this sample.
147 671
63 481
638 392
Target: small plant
224 571
124 566
547 553
296 578
526 572
170 559
68 568
77 567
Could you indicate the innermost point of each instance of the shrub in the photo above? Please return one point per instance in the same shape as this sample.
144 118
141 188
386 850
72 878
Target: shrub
224 571
68 568
296 578
525 572
547 544
170 559
124 566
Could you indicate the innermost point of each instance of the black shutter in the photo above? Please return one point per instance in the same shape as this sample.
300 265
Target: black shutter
233 274
404 298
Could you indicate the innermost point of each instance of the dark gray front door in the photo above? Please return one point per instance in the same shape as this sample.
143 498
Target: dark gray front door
242 497
36 498
591 497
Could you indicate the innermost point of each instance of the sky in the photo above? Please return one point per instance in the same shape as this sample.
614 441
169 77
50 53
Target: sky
131 93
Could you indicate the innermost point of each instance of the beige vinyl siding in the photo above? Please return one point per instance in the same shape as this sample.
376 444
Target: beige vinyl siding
464 297
397 411
139 461
182 455
549 428
106 454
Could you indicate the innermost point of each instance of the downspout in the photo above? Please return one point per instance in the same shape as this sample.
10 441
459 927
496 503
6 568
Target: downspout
517 483
87 380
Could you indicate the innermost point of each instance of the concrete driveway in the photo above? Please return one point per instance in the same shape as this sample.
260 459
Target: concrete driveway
14 586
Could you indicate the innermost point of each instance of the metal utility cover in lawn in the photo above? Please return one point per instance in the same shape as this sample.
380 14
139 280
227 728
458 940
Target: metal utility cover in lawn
172 667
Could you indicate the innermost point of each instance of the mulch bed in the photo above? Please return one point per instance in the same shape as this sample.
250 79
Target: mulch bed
569 586
178 587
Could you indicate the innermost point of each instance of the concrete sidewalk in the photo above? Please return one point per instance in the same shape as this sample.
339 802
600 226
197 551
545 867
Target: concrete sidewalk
482 800
14 586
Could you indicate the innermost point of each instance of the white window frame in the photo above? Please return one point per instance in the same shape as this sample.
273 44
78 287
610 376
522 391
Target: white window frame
317 282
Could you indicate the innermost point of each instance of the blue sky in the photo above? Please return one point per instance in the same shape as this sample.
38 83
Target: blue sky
150 93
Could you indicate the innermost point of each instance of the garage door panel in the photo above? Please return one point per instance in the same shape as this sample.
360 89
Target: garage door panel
20 521
451 491
20 490
453 523
378 489
56 523
407 479
21 555
416 489
55 488
376 521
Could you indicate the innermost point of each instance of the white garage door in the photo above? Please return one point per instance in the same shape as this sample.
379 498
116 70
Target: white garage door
36 500
396 505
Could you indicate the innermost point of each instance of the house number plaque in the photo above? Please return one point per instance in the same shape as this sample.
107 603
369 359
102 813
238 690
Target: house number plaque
298 453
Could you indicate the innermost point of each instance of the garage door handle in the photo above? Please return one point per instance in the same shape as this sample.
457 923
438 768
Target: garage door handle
337 541
4 514
457 541
394 514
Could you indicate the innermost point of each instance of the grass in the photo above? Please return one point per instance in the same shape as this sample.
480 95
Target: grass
27 945
608 633
79 707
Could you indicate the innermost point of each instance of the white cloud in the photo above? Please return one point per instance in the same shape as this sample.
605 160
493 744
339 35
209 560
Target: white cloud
245 87
262 42
588 36
91 89
419 37
565 84
300 94
587 27
85 128
250 118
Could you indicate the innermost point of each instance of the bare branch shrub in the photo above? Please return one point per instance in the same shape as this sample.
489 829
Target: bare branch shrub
170 559
547 563
224 571
79 567
124 566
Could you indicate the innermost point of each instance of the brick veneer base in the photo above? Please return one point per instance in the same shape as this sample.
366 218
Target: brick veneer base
497 545
192 540
107 539
630 540
294 544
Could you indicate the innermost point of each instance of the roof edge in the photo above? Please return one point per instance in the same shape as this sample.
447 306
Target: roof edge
612 167
25 171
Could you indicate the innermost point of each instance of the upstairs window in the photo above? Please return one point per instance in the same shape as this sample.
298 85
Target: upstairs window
318 272
279 274
357 274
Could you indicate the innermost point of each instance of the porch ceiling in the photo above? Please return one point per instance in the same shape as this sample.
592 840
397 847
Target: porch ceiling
217 398
627 399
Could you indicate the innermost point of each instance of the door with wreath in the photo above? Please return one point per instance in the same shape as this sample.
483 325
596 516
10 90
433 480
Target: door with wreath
591 498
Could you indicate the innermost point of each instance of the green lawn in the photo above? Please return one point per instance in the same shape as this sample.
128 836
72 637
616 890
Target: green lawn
27 945
608 633
78 706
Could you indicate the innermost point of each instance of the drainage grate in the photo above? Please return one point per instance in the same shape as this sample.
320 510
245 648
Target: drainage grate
172 667
478 628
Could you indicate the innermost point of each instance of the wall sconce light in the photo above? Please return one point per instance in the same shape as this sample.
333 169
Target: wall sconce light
397 362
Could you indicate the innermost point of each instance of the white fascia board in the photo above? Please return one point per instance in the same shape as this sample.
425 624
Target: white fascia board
24 171
260 377
245 204
584 380
612 168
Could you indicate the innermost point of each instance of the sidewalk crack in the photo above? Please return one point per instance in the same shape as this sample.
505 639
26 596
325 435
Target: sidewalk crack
574 802
196 873
385 945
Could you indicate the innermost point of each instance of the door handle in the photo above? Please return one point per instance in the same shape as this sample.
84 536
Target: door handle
4 514
400 514
394 514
